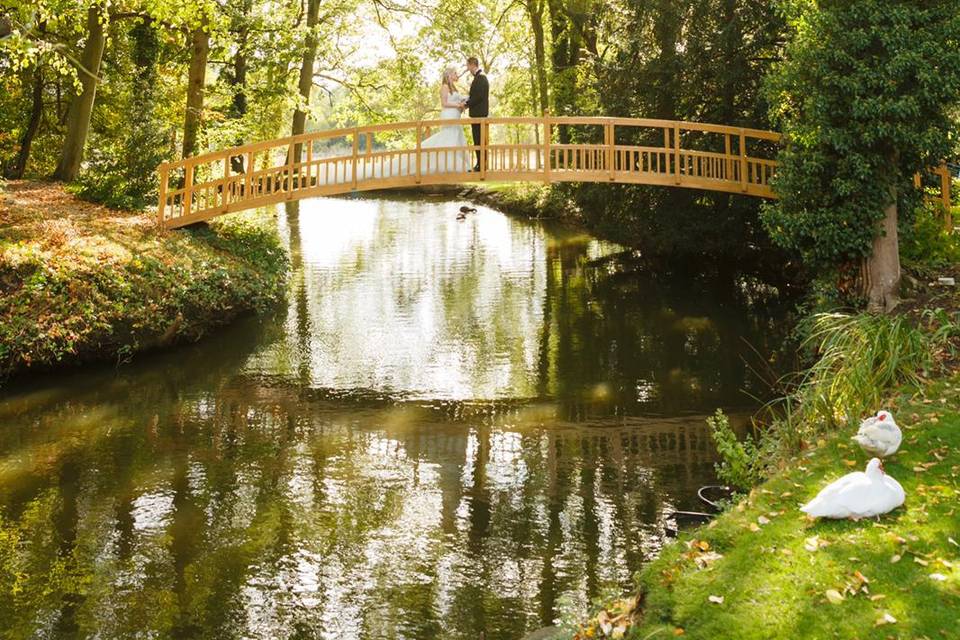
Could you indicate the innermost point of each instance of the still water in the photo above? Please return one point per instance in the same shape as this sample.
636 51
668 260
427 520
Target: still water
451 429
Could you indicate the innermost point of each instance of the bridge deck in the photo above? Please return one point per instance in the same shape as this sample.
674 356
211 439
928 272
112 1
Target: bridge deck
620 150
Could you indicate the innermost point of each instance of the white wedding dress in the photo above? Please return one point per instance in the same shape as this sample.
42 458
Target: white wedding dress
455 157
451 155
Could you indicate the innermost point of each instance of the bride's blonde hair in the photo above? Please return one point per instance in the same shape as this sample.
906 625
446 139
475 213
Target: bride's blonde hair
449 71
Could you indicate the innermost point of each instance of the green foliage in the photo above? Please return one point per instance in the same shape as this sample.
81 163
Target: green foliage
855 361
742 461
865 95
926 244
117 292
121 171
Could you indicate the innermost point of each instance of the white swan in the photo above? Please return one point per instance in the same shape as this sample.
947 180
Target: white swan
858 495
879 435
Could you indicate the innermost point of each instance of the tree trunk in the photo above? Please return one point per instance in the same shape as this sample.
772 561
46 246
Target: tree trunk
81 108
193 117
882 269
535 11
305 85
26 140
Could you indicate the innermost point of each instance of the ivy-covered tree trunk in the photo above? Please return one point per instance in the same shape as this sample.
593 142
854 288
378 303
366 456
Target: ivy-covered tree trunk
197 78
81 108
882 269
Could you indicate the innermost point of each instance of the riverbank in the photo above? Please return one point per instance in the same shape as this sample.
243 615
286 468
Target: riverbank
82 283
765 570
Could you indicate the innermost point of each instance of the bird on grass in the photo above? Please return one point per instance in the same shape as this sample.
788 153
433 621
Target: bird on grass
861 494
879 435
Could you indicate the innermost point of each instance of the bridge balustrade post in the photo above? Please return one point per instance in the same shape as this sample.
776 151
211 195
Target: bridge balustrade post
727 152
309 163
676 152
356 154
227 190
547 135
162 209
248 178
743 161
187 188
608 130
419 136
288 183
945 197
484 134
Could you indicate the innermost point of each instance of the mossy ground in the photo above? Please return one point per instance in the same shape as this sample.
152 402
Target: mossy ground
80 282
899 575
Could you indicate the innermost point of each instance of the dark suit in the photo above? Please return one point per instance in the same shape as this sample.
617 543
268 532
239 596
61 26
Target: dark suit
478 105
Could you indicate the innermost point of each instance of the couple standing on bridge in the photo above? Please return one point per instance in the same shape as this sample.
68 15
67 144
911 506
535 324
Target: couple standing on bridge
452 106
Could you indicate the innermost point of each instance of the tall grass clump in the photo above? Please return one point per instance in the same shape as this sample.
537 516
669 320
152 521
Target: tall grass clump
855 361
858 359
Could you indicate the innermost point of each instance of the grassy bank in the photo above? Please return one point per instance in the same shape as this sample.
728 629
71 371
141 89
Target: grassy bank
79 282
763 570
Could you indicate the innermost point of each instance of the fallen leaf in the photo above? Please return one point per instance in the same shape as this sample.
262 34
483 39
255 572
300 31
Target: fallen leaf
715 599
877 596
763 520
939 577
850 463
920 561
833 596
678 631
896 558
886 619
754 527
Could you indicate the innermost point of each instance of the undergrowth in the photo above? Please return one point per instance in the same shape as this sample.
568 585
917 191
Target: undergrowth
855 361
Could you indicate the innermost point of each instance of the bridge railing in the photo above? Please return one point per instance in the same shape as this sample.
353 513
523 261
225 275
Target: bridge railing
623 150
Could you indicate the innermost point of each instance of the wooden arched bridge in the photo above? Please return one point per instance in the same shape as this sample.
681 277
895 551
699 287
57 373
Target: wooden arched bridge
627 150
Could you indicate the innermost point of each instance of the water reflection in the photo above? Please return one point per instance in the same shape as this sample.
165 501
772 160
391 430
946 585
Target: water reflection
442 434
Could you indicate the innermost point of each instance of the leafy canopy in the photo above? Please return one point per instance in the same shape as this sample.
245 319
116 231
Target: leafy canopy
866 95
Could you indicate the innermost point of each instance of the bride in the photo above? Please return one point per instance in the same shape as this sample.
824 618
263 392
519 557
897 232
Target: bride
450 138
444 152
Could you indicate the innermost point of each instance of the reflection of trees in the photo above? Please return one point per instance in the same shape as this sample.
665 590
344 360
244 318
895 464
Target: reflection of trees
248 510
617 335
185 499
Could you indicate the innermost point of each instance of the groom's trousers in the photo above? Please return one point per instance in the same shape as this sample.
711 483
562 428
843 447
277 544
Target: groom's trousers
475 131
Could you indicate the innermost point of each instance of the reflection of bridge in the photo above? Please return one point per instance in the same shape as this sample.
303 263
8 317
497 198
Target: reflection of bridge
628 151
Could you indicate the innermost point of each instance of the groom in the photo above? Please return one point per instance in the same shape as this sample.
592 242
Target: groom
478 101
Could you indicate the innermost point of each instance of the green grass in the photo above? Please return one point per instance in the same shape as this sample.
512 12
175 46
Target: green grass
774 586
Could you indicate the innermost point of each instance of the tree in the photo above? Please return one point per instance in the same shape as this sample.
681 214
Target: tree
81 108
864 96
196 83
305 82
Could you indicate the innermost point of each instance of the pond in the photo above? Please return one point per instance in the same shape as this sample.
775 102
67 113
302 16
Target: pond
452 429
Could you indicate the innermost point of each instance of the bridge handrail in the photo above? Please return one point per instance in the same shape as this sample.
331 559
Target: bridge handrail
325 134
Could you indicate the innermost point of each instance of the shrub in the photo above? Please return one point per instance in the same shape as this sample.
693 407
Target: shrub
743 462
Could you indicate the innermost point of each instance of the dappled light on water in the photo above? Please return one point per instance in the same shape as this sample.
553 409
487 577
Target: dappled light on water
450 428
